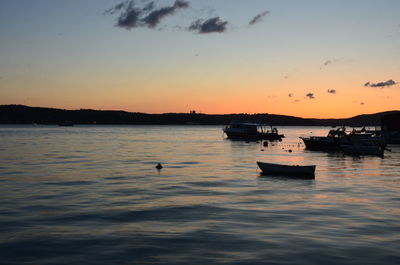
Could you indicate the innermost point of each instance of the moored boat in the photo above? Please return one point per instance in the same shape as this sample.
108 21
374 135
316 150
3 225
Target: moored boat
251 131
289 170
336 138
331 142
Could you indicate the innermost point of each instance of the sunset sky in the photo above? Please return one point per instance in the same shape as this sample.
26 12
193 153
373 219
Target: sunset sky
310 58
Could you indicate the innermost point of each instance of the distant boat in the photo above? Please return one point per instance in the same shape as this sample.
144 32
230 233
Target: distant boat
287 170
251 131
338 137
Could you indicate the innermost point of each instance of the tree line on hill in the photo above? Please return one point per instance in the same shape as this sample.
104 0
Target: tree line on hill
20 114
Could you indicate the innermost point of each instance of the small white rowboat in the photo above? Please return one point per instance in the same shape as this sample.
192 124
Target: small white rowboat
294 171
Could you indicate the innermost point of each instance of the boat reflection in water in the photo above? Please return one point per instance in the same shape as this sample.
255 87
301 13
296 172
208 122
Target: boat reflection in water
251 131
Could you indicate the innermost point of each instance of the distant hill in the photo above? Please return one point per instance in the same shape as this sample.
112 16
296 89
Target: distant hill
20 114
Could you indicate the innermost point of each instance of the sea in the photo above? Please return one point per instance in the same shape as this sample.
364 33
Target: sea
90 194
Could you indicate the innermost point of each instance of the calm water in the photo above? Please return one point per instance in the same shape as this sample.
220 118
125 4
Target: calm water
91 195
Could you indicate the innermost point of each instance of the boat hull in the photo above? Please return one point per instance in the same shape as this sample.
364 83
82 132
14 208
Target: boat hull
287 170
321 144
257 136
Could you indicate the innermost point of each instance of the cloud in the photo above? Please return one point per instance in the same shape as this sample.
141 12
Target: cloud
381 84
258 18
211 25
362 103
118 7
296 101
155 16
131 16
334 61
290 95
331 91
310 95
149 7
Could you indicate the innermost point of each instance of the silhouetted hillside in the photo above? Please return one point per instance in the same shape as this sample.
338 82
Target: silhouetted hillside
24 114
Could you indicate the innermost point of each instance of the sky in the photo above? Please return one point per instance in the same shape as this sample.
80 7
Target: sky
309 58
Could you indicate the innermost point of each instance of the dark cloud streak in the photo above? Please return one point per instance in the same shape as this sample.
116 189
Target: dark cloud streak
130 18
133 17
211 25
155 16
258 18
310 95
381 84
331 91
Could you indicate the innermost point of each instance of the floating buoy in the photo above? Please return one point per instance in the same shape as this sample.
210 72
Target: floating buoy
159 166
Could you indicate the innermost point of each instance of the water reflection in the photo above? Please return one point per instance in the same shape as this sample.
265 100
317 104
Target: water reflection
91 194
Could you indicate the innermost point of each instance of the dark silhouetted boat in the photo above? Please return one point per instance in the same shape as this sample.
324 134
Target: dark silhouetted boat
287 170
251 131
331 142
361 141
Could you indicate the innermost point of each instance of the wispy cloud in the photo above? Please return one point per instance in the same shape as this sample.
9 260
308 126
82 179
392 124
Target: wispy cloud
131 16
258 18
329 62
155 16
381 84
210 25
148 13
118 7
331 91
310 95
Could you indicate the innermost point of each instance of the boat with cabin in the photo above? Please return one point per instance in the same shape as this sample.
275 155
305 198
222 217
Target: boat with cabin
251 131
336 138
331 142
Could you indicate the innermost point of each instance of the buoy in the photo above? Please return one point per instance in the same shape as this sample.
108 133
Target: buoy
159 166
